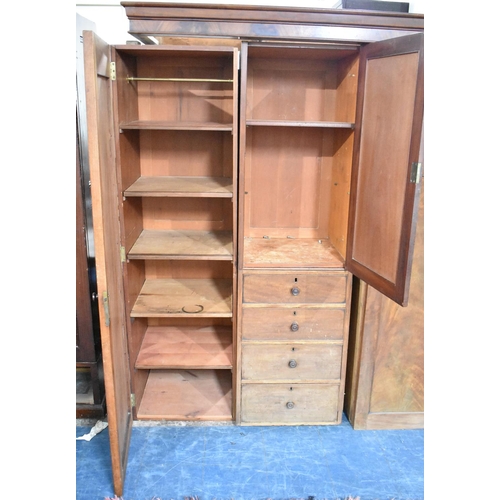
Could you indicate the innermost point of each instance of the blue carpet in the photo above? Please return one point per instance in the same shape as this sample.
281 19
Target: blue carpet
257 463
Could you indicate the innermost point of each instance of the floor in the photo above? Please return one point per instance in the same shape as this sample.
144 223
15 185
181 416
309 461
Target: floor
228 462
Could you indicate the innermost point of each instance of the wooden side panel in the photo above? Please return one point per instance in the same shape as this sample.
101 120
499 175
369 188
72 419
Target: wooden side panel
107 253
341 186
387 141
399 386
85 350
385 383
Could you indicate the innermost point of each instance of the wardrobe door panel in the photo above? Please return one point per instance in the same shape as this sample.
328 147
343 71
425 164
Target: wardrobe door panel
384 196
108 266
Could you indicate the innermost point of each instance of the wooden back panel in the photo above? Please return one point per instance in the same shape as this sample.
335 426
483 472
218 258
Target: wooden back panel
287 182
184 101
297 174
304 85
186 153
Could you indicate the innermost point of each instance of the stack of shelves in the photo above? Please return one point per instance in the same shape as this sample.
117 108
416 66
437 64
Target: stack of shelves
177 159
298 119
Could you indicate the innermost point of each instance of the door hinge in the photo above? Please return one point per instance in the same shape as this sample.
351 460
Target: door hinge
123 255
112 71
105 303
132 400
416 170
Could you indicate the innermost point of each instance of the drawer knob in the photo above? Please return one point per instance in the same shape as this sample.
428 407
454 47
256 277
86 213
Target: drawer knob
292 363
290 405
294 327
295 291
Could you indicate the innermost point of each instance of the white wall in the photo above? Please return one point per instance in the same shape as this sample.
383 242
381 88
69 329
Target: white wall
112 23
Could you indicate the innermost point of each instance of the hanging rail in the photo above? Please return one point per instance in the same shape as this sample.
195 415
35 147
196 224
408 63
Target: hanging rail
135 79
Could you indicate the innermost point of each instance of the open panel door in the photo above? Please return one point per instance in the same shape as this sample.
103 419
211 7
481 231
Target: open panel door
386 173
107 252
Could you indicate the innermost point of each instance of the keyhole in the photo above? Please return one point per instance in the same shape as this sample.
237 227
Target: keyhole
296 279
293 348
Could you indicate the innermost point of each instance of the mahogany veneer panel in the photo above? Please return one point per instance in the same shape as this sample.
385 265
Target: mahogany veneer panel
187 395
154 16
206 245
184 298
186 347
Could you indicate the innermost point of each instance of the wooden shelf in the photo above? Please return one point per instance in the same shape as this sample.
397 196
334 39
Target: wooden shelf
207 347
182 298
177 125
291 253
203 187
299 123
183 245
187 395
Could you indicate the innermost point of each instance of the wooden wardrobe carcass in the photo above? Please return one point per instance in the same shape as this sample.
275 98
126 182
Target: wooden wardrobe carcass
237 188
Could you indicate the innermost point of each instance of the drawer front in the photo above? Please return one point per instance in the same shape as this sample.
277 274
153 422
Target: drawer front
289 403
291 361
294 288
285 323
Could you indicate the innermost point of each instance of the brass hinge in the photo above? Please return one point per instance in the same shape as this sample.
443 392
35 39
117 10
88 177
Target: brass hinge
132 400
123 255
105 303
416 170
112 71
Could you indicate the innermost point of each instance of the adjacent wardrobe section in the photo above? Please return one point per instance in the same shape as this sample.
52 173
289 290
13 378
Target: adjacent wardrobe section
298 112
177 147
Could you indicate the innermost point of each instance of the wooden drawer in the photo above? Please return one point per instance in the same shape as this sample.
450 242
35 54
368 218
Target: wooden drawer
293 404
292 323
291 361
294 288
